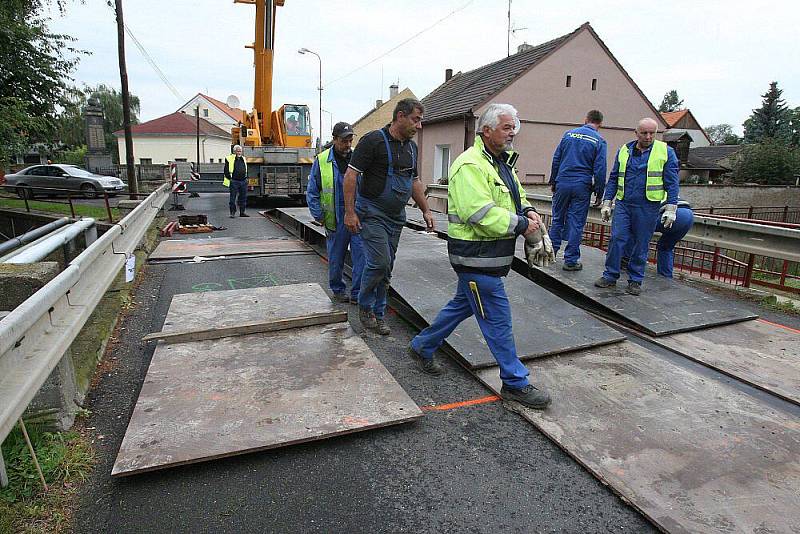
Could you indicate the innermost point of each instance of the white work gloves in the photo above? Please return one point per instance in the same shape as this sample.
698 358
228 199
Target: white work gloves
605 211
668 217
539 248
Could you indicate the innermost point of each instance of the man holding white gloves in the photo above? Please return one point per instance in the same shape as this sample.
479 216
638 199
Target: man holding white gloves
644 175
487 211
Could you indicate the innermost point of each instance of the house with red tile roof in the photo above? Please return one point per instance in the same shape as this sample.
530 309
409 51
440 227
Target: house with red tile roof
174 137
214 111
684 121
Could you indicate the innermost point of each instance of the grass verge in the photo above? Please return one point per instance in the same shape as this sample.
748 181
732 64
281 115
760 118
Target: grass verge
66 459
81 210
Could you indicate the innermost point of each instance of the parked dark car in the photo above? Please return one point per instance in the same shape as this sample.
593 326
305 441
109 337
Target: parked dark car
70 177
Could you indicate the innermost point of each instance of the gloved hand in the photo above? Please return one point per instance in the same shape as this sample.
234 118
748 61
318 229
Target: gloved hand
668 217
539 249
605 211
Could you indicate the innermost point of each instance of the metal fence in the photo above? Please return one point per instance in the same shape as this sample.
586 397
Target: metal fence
784 214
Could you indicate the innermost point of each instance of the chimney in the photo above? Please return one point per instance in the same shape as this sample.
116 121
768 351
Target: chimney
448 73
524 47
378 103
393 90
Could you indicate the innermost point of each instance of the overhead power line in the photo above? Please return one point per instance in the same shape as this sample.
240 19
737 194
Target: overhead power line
370 62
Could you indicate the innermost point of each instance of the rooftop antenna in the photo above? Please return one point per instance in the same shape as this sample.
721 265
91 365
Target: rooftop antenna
512 30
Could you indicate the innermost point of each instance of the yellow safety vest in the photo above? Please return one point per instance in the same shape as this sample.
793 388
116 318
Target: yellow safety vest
326 197
654 188
231 159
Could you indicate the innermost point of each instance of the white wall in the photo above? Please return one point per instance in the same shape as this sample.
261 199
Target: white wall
163 149
215 116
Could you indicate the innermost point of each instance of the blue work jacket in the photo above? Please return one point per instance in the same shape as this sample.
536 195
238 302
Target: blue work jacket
581 158
636 176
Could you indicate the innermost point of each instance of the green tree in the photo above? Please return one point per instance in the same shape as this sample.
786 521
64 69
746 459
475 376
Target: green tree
770 162
35 69
771 120
722 134
671 102
794 124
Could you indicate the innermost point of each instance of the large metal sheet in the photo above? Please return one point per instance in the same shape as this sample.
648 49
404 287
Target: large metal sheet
218 398
692 453
761 354
211 309
665 306
226 246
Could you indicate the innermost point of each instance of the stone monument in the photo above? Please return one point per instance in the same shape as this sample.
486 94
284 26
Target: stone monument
98 158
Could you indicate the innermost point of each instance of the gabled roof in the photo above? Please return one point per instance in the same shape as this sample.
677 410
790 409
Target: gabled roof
715 153
670 136
175 124
672 117
234 113
464 92
698 163
389 104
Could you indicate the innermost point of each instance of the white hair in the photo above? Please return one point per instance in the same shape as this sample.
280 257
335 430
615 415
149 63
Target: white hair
491 116
236 146
646 120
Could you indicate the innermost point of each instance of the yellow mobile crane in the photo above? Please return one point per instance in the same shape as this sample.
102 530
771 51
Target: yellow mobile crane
276 144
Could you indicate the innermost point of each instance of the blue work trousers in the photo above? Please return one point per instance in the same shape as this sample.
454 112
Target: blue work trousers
238 194
493 313
337 242
632 226
570 208
379 237
665 248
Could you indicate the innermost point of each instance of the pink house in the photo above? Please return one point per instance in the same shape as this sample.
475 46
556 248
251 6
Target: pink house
552 85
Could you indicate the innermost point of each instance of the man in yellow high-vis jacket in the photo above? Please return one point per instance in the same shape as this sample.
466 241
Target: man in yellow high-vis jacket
644 175
235 178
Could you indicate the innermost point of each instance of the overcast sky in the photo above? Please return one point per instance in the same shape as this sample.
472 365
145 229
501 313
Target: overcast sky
719 55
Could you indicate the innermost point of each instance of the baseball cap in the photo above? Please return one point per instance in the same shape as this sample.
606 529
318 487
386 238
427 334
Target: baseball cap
342 129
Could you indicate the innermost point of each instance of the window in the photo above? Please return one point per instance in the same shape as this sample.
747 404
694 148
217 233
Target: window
569 80
594 84
146 161
205 113
211 160
441 162
180 159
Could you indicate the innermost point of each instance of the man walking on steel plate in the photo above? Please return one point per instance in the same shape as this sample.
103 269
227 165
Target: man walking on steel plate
325 197
644 175
384 167
235 177
579 168
487 210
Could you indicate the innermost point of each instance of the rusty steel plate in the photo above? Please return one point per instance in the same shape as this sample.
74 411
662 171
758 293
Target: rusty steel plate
759 353
175 249
665 306
217 398
694 454
209 309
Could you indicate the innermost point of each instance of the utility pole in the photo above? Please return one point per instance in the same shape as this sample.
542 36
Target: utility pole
133 186
508 32
197 115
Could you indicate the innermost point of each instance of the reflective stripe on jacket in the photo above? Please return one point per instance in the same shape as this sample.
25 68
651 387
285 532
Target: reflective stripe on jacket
654 188
482 216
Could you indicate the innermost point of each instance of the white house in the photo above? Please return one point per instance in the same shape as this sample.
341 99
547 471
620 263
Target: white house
214 111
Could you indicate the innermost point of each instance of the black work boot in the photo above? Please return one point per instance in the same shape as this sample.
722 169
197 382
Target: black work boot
529 396
367 318
577 266
634 288
233 214
344 298
243 214
381 327
428 366
604 282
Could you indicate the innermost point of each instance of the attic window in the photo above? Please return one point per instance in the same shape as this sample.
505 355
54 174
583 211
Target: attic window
569 81
594 84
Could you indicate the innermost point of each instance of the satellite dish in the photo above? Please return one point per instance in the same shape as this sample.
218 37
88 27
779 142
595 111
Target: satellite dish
232 101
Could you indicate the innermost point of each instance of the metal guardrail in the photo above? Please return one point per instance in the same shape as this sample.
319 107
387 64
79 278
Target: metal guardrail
36 334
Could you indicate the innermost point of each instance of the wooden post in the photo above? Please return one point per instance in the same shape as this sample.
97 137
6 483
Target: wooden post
714 260
133 187
748 273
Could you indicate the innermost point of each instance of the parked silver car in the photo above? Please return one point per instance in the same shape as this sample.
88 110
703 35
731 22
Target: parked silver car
70 177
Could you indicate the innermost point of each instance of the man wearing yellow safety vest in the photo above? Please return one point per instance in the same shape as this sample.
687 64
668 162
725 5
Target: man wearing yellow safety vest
325 199
645 175
487 211
235 178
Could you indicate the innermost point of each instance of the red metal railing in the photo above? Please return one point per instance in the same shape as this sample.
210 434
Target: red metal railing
784 214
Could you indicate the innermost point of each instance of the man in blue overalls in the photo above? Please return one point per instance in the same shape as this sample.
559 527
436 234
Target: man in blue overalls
384 169
325 198
580 156
644 175
665 247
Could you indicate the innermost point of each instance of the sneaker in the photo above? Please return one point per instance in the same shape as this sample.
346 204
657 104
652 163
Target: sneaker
382 328
604 282
577 266
529 396
367 318
634 288
341 297
243 214
428 366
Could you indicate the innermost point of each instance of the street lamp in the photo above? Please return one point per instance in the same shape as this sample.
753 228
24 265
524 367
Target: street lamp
307 51
330 118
